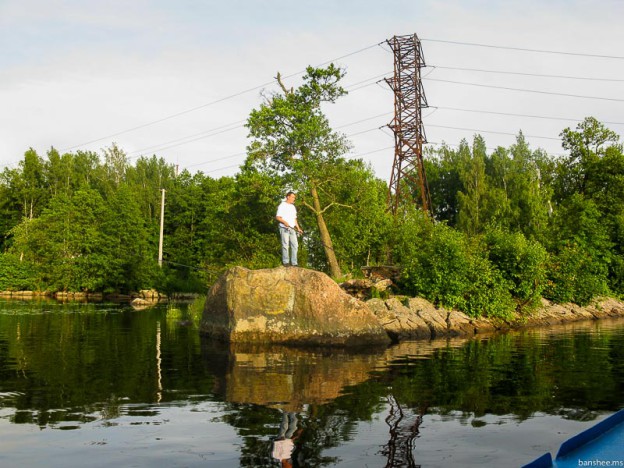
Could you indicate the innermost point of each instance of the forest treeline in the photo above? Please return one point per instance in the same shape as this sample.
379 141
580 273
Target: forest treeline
509 226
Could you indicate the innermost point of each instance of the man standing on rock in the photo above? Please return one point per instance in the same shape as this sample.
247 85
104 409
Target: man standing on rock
288 227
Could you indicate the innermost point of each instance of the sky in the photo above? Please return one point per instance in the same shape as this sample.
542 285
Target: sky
178 79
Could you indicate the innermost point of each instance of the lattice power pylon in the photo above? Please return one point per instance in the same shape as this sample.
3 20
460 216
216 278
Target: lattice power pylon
408 171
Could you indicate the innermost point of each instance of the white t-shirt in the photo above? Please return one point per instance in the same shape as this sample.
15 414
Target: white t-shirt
283 449
288 212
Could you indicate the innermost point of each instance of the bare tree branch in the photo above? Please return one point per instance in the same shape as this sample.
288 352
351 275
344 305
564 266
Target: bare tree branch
279 81
307 205
337 204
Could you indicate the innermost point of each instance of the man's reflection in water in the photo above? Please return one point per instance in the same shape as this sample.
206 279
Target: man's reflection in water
284 445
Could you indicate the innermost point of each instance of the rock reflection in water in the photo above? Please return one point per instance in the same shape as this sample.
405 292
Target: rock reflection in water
298 386
296 381
287 378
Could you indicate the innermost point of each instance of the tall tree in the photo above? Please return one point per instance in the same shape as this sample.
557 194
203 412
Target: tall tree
442 170
473 197
30 184
594 169
147 177
518 188
115 164
586 145
291 133
360 220
66 244
130 258
10 211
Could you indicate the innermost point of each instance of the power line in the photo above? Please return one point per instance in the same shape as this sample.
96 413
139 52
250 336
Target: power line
178 114
138 127
539 75
491 131
218 159
359 155
244 153
202 106
506 88
381 149
343 56
208 133
364 120
518 115
353 87
205 134
237 124
226 129
523 49
221 168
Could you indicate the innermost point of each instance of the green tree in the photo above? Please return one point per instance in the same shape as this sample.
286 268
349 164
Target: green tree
473 198
586 146
216 249
115 164
518 191
523 264
10 213
185 210
58 172
254 200
359 218
291 132
16 275
444 266
442 169
84 170
226 221
65 243
594 169
130 259
582 252
147 177
29 184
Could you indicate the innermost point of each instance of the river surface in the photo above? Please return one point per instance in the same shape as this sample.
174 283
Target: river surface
104 385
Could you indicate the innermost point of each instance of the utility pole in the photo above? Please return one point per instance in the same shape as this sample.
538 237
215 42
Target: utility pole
162 228
408 170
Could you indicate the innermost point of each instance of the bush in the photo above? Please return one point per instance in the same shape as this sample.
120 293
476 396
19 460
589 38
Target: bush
16 275
445 268
575 276
523 263
616 275
179 280
196 309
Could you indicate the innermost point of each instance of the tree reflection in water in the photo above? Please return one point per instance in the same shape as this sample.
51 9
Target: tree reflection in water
117 371
333 390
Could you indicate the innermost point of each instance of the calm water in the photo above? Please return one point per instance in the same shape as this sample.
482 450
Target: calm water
98 385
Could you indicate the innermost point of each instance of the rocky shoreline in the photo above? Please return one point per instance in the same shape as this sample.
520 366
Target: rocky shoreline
417 318
142 298
297 306
300 306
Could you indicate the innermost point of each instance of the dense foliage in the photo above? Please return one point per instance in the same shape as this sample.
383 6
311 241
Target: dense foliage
508 227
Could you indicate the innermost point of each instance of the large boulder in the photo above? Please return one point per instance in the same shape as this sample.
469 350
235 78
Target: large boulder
287 305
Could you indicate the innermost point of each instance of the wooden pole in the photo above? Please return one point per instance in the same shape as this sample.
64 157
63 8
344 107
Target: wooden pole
162 228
